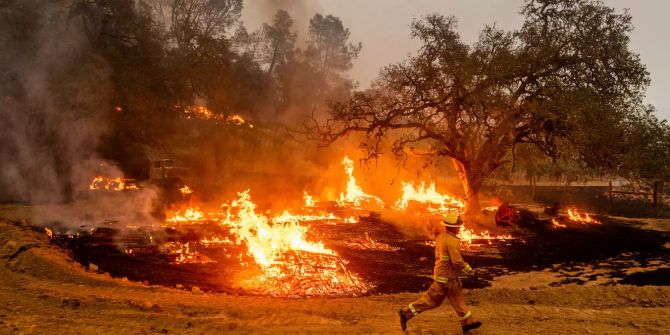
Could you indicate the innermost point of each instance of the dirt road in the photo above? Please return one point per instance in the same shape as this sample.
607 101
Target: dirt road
45 292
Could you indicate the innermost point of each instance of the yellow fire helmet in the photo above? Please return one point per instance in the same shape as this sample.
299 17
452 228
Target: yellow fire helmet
452 220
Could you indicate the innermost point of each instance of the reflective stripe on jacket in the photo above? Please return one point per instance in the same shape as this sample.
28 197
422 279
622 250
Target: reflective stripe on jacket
449 263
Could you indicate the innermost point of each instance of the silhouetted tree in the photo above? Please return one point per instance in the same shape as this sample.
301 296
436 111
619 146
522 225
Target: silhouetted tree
279 41
329 50
567 70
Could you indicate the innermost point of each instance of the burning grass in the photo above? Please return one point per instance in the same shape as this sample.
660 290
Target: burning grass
284 261
436 202
354 196
204 113
574 216
312 250
276 250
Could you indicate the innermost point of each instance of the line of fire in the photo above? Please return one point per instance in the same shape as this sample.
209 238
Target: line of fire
230 166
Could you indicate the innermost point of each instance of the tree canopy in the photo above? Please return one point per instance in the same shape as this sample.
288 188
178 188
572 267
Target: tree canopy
126 72
566 73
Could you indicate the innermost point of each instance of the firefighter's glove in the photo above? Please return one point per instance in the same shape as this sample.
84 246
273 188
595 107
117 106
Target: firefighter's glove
468 271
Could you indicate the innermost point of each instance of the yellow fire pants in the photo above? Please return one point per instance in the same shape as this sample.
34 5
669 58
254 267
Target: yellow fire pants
433 297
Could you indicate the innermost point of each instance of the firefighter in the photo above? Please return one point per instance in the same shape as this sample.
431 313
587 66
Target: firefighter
449 265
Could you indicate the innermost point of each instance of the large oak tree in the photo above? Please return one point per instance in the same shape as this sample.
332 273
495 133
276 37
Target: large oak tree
567 72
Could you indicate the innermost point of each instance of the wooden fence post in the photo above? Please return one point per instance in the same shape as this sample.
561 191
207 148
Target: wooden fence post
658 196
610 193
661 192
532 186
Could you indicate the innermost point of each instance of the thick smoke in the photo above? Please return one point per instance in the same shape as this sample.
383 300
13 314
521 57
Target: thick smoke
55 95
261 11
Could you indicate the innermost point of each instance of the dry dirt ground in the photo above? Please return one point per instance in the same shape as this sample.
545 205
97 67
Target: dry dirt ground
44 292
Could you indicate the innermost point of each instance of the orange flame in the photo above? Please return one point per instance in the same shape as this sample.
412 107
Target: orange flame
204 113
216 241
308 200
278 243
580 217
269 246
189 214
287 217
354 195
557 224
184 253
468 235
49 232
266 242
185 190
236 119
427 195
112 184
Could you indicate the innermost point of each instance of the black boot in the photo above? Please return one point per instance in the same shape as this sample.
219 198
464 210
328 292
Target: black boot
403 320
471 326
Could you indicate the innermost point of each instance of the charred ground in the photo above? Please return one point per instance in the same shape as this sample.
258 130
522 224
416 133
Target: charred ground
602 254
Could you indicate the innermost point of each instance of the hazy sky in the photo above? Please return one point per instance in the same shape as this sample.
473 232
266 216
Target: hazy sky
383 28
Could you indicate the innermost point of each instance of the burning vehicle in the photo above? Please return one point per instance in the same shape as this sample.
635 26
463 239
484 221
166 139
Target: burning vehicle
168 173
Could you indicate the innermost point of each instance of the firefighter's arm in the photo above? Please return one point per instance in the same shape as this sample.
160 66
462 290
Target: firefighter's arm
458 261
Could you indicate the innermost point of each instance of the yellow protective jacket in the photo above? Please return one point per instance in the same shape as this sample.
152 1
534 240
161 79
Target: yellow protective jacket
449 263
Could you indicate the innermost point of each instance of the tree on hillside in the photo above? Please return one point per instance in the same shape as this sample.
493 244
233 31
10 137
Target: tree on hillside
203 52
279 41
193 20
568 70
125 36
329 50
304 78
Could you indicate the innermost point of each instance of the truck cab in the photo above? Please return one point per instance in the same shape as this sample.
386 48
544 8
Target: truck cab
167 172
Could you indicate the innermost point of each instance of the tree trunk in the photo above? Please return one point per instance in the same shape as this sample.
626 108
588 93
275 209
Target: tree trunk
274 60
472 182
472 208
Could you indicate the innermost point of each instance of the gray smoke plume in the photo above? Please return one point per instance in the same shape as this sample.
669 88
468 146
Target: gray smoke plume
55 96
257 12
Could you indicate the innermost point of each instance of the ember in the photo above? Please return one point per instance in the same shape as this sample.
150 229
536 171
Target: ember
185 190
368 243
575 216
199 112
188 215
557 224
238 120
308 200
204 113
112 184
468 237
216 241
286 217
185 253
49 232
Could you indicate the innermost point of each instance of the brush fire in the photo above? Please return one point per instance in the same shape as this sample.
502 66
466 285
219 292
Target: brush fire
233 166
289 252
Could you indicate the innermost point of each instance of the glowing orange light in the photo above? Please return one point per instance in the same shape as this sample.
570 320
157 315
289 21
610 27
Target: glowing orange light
185 190
354 195
421 193
581 217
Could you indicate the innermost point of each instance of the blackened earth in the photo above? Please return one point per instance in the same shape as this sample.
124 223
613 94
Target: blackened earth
613 246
